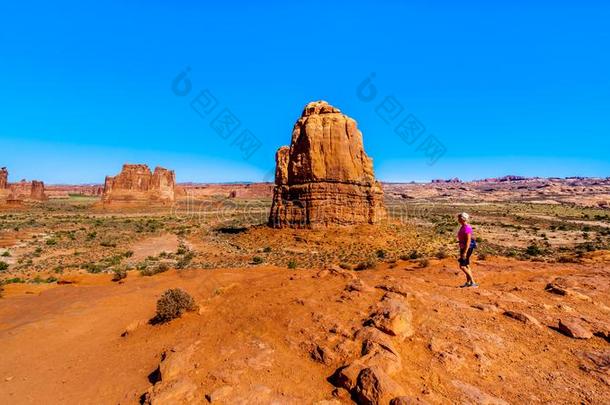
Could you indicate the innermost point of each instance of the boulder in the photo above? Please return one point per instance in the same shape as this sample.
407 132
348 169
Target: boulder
374 386
325 177
181 391
523 317
392 316
574 329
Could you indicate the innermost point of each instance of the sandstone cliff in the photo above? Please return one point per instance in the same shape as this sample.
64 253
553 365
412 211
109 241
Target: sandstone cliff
136 184
325 177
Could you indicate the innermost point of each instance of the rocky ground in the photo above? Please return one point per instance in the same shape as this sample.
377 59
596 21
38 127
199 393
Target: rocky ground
531 333
364 313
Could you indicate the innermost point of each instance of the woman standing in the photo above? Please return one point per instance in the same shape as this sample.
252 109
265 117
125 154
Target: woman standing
467 245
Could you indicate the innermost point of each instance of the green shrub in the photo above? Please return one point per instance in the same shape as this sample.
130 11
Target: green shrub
345 266
441 254
368 264
3 266
185 260
412 256
292 264
257 260
119 274
267 249
533 250
423 263
51 242
156 269
6 253
380 254
172 304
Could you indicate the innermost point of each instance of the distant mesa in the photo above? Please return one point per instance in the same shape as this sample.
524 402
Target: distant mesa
23 190
324 177
453 180
136 184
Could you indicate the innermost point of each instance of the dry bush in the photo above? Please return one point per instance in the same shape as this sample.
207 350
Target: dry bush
172 304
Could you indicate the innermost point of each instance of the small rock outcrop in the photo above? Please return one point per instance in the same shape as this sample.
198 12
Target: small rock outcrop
136 184
325 177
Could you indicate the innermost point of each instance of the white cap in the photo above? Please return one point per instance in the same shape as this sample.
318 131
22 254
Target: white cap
464 216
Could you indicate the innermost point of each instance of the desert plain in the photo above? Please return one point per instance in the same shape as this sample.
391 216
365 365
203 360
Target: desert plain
325 287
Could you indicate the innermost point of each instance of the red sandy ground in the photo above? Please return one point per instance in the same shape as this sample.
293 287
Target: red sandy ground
256 327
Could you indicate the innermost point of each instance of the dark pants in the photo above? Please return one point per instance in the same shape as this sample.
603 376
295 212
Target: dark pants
466 260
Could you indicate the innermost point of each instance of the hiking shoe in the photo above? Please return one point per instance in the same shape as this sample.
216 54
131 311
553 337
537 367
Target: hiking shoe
473 285
466 284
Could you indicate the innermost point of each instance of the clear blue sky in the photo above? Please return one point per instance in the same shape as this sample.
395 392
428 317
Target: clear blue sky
506 87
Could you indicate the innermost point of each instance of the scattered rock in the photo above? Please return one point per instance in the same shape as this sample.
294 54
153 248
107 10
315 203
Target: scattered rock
373 336
374 386
347 376
393 317
574 329
487 308
396 287
175 362
358 285
564 291
523 317
322 355
182 391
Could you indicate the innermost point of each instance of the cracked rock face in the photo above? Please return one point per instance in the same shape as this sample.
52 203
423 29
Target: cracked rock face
325 177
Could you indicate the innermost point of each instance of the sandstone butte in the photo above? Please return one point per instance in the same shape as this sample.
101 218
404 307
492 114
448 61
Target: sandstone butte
22 190
136 184
324 177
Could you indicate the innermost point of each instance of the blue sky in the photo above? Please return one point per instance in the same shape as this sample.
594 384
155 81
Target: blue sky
504 87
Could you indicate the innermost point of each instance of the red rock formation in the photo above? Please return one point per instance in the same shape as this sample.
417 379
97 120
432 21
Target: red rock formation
325 177
3 178
5 192
37 191
65 190
136 184
27 190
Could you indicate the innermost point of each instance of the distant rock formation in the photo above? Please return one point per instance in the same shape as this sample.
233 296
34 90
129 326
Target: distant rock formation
37 191
3 178
58 191
5 192
28 190
325 177
22 190
453 180
136 184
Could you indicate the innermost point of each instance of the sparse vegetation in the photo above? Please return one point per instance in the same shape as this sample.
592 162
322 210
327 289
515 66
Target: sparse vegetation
172 304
